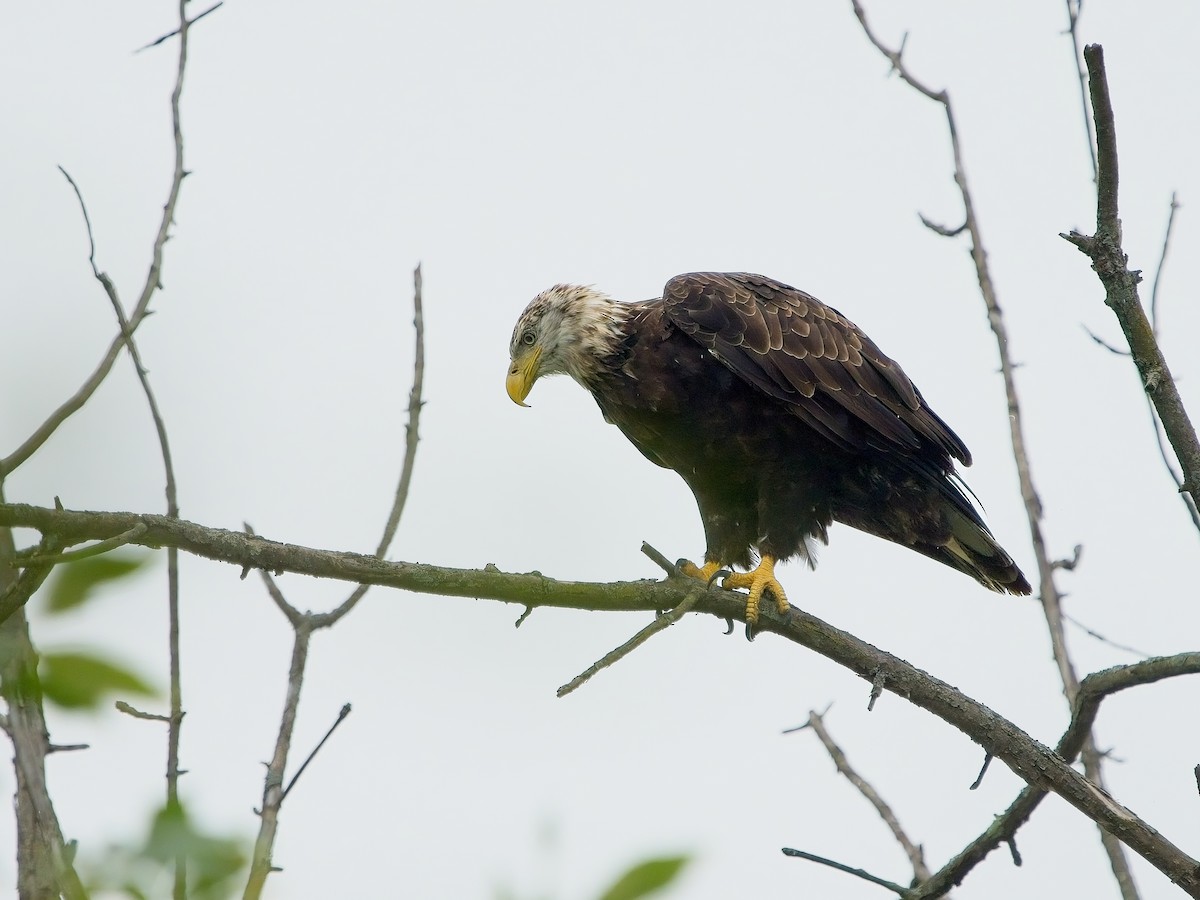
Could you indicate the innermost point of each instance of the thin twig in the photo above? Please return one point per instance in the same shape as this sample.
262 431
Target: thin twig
345 711
290 612
987 761
902 892
1092 633
660 623
1074 10
171 34
96 549
1189 501
911 849
124 707
1116 351
1162 262
412 438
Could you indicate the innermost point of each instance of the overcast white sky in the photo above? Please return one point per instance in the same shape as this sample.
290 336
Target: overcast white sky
507 147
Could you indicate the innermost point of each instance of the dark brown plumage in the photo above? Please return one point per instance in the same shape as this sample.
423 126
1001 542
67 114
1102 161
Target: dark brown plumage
778 412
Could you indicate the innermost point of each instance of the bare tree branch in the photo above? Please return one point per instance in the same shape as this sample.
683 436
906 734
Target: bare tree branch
1050 595
260 860
345 711
1074 10
304 624
412 438
171 34
901 891
1028 758
916 856
44 864
1120 284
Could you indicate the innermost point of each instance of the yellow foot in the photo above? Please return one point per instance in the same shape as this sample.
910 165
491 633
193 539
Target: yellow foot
760 580
705 574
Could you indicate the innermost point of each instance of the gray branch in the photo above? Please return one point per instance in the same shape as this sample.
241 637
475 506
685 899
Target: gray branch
1033 762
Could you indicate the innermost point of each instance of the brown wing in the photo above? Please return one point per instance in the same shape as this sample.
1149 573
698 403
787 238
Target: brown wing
796 349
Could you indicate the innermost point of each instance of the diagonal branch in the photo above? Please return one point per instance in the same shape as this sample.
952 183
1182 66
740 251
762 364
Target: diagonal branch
914 852
1030 760
153 281
902 892
412 438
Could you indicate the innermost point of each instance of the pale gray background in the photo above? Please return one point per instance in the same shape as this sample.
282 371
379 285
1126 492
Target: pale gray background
510 146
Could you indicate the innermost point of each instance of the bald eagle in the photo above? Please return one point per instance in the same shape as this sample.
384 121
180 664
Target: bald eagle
777 411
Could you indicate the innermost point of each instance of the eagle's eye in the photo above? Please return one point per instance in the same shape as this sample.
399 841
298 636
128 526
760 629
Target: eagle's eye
528 338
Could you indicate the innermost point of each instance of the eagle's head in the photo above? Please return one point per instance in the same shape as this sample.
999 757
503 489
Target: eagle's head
566 330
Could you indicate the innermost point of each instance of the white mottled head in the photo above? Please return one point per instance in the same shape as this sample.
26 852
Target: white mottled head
566 330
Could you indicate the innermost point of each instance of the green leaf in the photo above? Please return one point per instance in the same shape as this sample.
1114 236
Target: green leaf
646 878
76 582
212 862
81 680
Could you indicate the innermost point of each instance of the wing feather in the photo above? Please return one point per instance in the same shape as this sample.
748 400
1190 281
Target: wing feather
809 356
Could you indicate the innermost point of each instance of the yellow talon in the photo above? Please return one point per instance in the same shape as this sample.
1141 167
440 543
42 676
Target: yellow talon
705 574
760 580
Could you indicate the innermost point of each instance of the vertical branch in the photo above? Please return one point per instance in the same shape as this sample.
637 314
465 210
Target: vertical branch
44 867
1048 590
260 861
1074 10
1120 284
304 624
175 715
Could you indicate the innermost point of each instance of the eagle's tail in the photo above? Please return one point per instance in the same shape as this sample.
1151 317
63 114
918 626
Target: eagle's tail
972 550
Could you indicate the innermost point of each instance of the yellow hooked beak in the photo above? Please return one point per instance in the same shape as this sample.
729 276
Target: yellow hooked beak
522 373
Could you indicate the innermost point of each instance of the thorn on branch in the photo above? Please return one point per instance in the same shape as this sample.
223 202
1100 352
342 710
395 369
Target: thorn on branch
124 707
1069 564
1012 848
876 688
942 229
522 617
987 761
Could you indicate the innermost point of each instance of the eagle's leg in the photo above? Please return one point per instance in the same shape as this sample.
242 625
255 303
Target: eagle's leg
704 573
760 580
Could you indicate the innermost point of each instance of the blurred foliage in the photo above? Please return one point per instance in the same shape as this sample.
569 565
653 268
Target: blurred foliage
213 863
646 878
75 583
82 680
641 879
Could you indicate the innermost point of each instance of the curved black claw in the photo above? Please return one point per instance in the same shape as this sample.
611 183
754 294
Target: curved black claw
720 573
751 634
681 563
729 626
